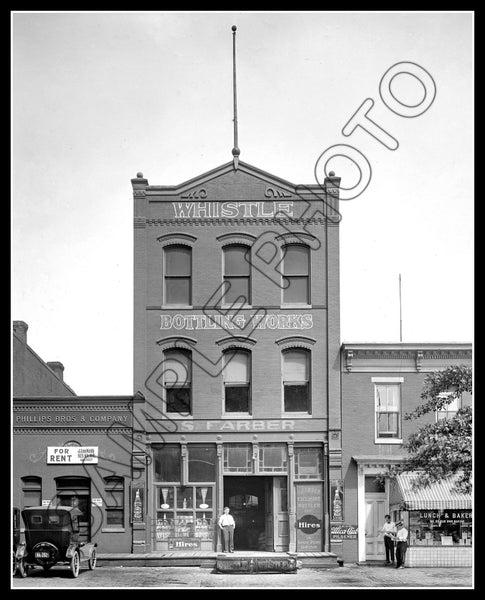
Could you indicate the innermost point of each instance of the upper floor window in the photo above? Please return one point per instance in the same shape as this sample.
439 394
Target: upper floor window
237 384
450 410
177 275
388 410
296 270
296 380
237 275
177 381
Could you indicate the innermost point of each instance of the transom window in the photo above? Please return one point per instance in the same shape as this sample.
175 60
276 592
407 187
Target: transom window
296 272
237 275
308 463
177 276
236 378
237 458
272 458
177 381
296 380
388 410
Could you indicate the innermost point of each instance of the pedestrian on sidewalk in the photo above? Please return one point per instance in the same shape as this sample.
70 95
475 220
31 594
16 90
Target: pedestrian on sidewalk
389 530
227 526
401 544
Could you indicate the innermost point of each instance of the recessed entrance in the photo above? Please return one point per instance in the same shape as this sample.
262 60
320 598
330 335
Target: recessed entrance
258 505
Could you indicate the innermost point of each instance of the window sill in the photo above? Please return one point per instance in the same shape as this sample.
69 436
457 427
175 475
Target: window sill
299 306
113 530
176 417
236 415
176 307
387 441
296 415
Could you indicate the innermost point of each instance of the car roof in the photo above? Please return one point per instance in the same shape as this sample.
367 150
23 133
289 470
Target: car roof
67 509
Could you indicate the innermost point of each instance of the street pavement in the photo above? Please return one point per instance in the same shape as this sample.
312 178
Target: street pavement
348 576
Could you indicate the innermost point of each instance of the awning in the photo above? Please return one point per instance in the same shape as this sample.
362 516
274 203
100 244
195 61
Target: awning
438 496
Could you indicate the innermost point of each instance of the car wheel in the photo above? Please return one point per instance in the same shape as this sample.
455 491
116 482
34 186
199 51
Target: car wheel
92 560
75 564
21 568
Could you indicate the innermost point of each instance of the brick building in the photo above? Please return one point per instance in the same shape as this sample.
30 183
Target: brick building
380 384
237 356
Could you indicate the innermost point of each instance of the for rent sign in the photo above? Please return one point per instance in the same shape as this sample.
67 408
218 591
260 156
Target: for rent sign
72 455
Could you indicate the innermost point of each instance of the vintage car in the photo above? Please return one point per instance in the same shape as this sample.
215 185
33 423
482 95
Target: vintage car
16 537
52 537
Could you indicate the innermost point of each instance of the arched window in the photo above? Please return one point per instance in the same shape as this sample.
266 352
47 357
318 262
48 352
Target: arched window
236 376
237 275
296 380
32 491
177 276
114 488
177 381
296 272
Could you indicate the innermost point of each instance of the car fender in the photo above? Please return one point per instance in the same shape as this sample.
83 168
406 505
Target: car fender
86 549
72 548
21 550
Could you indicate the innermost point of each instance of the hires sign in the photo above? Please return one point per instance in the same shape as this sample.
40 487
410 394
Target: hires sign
72 455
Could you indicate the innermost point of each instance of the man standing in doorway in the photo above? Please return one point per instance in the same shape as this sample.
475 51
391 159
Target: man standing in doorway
227 525
389 530
401 544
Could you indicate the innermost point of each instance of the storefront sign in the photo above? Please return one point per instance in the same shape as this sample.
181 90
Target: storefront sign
97 502
183 543
446 516
70 417
72 455
239 425
232 210
309 517
343 532
236 322
309 524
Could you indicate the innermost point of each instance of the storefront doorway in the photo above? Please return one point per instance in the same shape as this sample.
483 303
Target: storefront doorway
259 508
76 492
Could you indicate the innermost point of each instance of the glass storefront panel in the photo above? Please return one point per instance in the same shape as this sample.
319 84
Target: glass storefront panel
202 463
237 458
308 463
167 463
440 527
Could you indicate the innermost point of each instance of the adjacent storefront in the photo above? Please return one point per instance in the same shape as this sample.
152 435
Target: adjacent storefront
439 522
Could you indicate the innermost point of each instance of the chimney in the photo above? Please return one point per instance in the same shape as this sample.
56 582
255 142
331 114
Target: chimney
58 369
20 328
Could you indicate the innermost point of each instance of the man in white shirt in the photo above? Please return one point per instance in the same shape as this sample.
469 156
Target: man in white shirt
401 544
389 529
227 525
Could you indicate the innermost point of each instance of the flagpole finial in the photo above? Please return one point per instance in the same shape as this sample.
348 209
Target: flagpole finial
235 151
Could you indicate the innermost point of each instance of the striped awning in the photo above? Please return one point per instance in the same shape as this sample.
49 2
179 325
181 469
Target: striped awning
435 497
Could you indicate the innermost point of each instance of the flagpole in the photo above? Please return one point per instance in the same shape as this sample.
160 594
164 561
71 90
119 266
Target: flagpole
400 310
235 151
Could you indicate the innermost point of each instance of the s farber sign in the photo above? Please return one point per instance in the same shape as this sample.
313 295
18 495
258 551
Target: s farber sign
72 455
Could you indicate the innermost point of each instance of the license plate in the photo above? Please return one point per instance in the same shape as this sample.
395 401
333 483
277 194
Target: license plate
42 555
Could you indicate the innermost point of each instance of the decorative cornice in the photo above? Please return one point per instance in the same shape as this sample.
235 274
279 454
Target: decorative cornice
139 193
236 222
42 406
70 430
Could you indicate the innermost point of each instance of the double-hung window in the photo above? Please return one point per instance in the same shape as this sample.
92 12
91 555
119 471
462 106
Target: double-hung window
388 409
296 274
177 276
296 381
237 275
237 381
177 381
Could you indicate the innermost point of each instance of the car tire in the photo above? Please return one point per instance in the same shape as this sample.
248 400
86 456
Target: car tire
75 564
22 568
92 560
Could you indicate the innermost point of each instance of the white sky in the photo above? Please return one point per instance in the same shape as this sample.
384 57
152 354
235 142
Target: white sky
97 97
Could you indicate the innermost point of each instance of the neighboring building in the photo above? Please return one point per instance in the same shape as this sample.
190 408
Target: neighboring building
242 396
31 375
380 383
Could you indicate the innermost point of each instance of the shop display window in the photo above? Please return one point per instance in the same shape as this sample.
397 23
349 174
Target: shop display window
440 527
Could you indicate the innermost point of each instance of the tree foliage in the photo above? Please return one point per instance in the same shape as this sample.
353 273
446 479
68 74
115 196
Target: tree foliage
444 448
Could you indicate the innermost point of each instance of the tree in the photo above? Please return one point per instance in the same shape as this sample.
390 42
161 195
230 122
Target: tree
439 450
